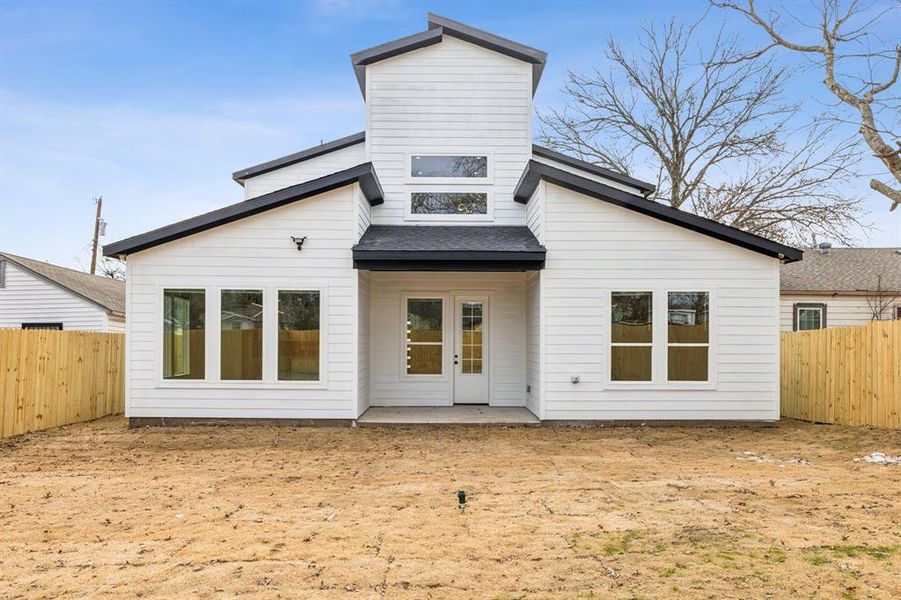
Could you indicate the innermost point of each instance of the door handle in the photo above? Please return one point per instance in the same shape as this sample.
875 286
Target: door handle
455 359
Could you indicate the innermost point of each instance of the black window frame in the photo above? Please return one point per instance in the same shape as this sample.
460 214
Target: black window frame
49 326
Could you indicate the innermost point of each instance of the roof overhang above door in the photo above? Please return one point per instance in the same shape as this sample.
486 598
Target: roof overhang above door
448 248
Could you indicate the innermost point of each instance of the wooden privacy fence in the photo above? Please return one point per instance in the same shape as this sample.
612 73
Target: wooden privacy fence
51 378
844 375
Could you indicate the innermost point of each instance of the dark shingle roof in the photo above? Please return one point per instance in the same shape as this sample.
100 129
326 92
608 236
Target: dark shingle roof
106 292
448 248
844 270
449 238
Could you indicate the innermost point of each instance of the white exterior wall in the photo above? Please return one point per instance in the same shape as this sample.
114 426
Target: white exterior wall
594 248
453 97
363 341
534 346
27 298
506 337
307 170
255 252
841 311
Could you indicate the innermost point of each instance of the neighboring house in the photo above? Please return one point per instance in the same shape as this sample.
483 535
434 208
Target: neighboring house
441 258
835 287
38 295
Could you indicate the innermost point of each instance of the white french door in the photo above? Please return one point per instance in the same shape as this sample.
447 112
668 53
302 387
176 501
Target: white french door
471 350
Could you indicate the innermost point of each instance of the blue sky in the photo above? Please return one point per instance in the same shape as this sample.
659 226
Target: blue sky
154 104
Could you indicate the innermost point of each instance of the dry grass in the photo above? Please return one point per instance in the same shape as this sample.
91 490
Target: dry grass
97 510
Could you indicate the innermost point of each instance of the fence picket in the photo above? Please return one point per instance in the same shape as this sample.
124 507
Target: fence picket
51 378
843 375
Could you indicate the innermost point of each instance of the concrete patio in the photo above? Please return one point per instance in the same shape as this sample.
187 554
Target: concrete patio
448 415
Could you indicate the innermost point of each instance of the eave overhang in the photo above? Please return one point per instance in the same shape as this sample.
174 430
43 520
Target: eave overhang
448 248
536 171
292 159
363 174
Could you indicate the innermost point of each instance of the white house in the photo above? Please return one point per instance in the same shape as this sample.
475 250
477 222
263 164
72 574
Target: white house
38 295
440 258
837 287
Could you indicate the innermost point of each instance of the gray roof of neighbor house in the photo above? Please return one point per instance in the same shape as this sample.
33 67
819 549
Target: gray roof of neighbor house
105 292
438 27
852 270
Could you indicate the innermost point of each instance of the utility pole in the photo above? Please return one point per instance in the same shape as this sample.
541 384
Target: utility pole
99 202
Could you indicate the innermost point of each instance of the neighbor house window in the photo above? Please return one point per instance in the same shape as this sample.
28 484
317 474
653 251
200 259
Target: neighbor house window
425 336
51 326
898 313
631 351
448 166
298 335
449 203
688 336
809 316
184 334
241 331
2 272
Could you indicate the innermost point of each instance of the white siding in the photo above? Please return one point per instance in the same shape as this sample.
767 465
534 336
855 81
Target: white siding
116 324
363 340
362 214
256 252
506 336
595 247
306 170
535 213
840 310
534 349
453 97
27 298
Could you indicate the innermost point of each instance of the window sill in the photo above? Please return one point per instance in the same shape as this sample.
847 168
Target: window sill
242 385
660 386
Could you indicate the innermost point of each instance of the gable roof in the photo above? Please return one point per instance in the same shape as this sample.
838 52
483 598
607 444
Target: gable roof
851 270
363 174
297 157
536 171
105 292
438 27
565 159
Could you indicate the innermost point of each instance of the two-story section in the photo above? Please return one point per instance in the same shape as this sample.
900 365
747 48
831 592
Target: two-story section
439 257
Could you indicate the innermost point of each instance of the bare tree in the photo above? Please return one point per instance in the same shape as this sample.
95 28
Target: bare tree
879 300
713 127
112 268
846 43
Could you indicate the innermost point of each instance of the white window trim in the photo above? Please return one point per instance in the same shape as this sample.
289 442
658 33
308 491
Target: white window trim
323 371
611 344
441 181
265 317
690 345
819 309
270 340
660 342
446 329
453 218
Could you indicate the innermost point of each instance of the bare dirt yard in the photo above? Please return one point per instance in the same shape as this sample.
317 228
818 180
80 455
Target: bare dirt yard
97 510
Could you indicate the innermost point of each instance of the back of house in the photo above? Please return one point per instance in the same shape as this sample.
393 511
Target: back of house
39 295
440 258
